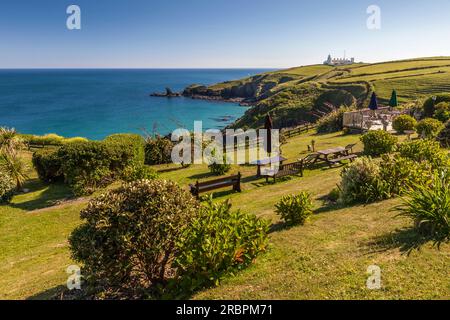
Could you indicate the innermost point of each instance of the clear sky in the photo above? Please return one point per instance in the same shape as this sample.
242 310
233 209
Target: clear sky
217 33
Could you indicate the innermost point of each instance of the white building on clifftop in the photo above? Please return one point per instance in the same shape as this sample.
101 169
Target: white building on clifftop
338 62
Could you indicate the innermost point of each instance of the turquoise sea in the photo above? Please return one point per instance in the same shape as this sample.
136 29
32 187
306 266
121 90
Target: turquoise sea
97 103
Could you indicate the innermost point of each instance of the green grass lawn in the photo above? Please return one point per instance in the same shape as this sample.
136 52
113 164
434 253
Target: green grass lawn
327 258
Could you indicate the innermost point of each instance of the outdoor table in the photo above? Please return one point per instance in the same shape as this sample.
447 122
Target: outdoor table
324 155
268 161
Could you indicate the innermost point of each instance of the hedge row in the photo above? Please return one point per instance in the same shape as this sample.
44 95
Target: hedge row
87 165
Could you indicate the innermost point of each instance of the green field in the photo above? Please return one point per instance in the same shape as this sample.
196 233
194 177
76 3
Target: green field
325 259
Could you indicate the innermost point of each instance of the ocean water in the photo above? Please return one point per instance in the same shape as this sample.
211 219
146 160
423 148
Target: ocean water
97 103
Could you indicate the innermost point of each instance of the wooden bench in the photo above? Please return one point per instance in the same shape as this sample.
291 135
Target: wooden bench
202 187
286 170
350 157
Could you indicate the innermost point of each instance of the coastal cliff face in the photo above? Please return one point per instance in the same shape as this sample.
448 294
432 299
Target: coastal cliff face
304 94
290 95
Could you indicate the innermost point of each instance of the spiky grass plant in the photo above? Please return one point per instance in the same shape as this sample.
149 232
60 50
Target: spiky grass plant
429 207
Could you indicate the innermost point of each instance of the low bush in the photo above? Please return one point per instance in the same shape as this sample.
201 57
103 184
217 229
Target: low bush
424 150
48 139
295 209
75 139
125 150
429 128
130 237
400 175
404 123
444 136
85 165
429 106
429 207
442 111
158 150
48 165
219 169
138 172
332 122
378 142
219 241
7 187
361 182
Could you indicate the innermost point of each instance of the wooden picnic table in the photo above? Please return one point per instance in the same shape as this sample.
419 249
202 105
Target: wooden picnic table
326 155
268 161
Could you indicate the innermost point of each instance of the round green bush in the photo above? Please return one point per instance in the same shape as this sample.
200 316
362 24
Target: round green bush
295 209
361 181
158 150
87 165
444 136
129 239
48 165
404 123
125 150
378 142
7 187
218 241
442 112
219 169
429 128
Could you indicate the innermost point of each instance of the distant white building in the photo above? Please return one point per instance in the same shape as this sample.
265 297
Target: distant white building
338 62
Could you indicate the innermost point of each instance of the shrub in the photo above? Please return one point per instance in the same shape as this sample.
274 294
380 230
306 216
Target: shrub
400 175
15 167
85 165
429 128
7 187
10 142
429 104
219 169
378 142
130 236
138 172
332 122
48 139
444 136
424 150
361 182
75 139
158 150
404 123
295 209
48 165
218 241
125 150
442 112
429 207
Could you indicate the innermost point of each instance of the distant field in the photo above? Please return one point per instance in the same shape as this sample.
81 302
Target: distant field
402 65
414 87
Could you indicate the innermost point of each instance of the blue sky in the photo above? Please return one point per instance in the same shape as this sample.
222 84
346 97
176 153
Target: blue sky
217 33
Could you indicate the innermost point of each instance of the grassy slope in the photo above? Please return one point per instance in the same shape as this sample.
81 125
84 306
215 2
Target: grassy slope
413 80
325 259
